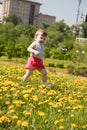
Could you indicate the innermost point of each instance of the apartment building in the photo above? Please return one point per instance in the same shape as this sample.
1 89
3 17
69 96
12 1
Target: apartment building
1 11
27 10
42 18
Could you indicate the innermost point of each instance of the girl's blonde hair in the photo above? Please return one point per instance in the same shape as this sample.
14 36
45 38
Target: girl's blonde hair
43 33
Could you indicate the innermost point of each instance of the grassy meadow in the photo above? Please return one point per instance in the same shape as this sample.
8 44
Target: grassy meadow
32 106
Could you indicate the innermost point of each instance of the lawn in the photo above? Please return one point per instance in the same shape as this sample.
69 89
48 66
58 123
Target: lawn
32 106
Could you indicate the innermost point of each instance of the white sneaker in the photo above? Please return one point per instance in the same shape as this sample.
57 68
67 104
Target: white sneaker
51 86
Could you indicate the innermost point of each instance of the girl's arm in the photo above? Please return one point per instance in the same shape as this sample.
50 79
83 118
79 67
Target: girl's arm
31 49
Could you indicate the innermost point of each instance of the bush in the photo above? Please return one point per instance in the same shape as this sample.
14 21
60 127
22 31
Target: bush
60 65
82 72
71 69
51 65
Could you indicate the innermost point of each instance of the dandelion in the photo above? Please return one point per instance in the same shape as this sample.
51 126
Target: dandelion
83 127
4 118
11 107
52 92
26 96
19 122
0 97
0 112
11 111
61 120
31 105
56 122
59 104
72 115
24 123
35 98
46 121
73 125
26 113
14 117
40 113
7 102
61 127
78 107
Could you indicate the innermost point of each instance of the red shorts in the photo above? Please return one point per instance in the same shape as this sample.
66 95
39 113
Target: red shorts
34 63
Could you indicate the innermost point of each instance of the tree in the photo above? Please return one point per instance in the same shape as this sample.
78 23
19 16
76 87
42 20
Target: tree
84 26
10 49
14 19
1 47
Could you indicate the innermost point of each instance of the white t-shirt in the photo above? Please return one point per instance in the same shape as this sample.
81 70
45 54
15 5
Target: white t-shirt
38 47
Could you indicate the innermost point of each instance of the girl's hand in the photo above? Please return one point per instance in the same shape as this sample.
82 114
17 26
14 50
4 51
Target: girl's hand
36 52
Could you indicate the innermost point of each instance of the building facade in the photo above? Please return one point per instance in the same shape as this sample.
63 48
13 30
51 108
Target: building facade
27 10
42 18
1 8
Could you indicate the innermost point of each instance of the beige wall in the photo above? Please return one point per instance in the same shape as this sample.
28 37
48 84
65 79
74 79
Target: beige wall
41 18
1 12
22 8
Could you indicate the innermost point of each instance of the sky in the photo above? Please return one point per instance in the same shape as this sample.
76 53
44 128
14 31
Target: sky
63 9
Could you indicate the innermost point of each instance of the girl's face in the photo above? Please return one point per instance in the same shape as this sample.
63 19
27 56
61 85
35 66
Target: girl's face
40 38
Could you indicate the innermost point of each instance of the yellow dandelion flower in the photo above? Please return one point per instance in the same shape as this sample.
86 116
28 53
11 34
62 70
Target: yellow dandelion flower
7 102
11 111
10 107
72 115
0 112
59 110
0 97
46 121
25 123
14 117
61 120
59 104
4 118
26 96
7 95
84 126
40 113
26 112
35 98
52 92
31 105
40 103
56 122
19 122
73 125
12 89
61 127
78 107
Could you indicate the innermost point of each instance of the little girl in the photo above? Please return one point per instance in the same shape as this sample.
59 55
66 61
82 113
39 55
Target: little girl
36 55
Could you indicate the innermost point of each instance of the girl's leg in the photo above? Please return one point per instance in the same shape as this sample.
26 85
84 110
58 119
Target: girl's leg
44 75
27 74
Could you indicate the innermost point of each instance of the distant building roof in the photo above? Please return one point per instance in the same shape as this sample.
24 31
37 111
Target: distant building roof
30 1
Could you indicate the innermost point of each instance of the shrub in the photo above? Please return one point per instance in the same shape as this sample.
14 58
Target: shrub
51 65
71 69
83 72
60 65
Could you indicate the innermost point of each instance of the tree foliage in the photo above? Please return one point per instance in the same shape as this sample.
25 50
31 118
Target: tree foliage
60 43
14 19
84 26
